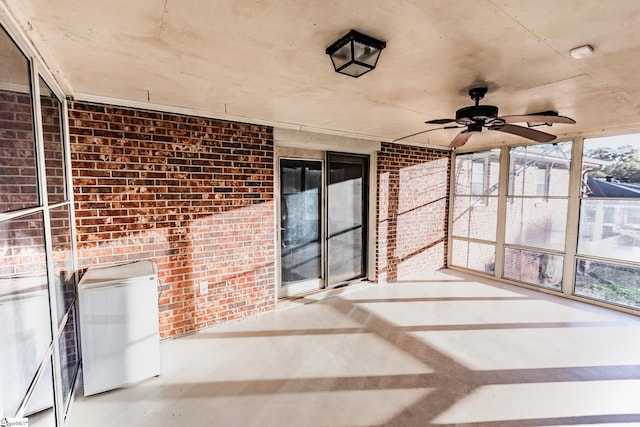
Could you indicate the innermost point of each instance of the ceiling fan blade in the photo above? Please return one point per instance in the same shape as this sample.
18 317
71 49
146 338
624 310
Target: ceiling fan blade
524 132
440 121
425 131
537 118
460 139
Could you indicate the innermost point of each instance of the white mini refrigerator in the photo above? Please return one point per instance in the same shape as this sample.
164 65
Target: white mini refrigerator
119 331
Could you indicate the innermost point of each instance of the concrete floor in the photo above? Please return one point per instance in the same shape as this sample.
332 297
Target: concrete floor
443 351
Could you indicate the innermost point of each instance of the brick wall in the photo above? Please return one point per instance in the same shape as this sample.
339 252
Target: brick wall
18 184
22 250
193 194
21 239
412 206
53 154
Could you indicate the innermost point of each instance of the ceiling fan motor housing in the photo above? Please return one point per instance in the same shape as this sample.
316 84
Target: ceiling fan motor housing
476 113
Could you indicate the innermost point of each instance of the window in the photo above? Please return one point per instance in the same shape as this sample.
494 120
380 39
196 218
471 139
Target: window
24 306
475 210
540 170
477 174
52 135
571 227
536 217
478 177
534 222
608 266
607 281
533 267
474 255
36 243
542 181
18 173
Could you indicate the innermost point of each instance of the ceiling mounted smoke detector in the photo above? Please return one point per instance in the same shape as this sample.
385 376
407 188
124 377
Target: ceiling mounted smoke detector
582 51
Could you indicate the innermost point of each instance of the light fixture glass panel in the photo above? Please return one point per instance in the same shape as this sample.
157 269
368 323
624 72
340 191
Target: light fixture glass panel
539 223
367 54
619 284
610 228
535 268
355 70
341 56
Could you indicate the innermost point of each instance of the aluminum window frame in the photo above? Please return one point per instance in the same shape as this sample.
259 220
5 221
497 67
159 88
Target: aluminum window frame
38 70
570 252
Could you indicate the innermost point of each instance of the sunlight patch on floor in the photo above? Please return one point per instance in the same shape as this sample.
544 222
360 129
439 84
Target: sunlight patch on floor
538 348
545 400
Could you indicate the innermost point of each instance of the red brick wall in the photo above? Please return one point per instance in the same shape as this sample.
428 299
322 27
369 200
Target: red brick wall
412 207
53 154
22 238
18 183
193 194
22 248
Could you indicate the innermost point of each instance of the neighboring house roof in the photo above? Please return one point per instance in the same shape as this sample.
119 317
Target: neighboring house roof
546 154
603 188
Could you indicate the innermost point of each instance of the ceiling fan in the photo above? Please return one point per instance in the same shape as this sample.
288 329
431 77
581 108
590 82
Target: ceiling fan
476 117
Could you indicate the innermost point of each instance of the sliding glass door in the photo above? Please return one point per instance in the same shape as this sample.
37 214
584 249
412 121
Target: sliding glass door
323 219
300 225
346 218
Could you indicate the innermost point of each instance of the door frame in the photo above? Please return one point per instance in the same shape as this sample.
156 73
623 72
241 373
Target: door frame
284 153
322 156
304 140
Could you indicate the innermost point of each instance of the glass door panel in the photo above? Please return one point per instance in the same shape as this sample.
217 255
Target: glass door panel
25 325
346 218
300 225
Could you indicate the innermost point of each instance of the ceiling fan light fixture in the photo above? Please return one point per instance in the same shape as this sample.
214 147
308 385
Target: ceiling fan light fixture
355 54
